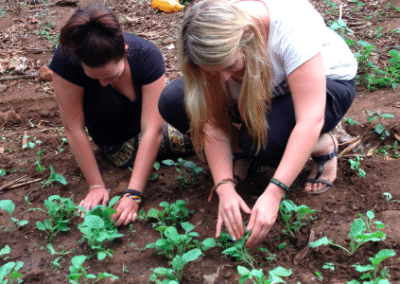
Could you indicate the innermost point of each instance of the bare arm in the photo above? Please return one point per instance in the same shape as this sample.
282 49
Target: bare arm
151 130
70 101
308 88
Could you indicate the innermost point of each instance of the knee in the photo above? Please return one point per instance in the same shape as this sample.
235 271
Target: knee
171 98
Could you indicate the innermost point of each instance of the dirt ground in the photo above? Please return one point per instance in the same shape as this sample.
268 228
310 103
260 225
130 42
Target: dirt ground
32 34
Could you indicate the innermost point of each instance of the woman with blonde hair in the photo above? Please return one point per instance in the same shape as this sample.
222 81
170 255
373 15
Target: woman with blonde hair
263 80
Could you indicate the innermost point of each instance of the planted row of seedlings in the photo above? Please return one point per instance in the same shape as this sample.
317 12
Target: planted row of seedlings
179 243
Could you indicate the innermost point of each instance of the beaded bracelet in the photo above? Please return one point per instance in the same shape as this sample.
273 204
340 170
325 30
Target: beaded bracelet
133 194
280 184
230 180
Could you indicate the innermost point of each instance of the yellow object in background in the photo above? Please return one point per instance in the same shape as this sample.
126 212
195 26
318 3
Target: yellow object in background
167 5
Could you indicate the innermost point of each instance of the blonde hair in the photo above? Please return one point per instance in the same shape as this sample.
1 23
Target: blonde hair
211 33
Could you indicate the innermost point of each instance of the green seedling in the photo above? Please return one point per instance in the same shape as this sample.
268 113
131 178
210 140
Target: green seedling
98 227
53 178
8 205
270 256
172 215
380 128
384 150
39 167
56 264
174 275
351 121
172 243
76 271
294 216
61 211
329 266
63 142
4 251
257 276
361 232
389 197
156 166
31 144
319 275
371 271
237 250
9 273
2 172
356 166
188 171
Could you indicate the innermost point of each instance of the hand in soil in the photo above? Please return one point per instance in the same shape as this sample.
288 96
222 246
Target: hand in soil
263 216
230 204
98 195
127 212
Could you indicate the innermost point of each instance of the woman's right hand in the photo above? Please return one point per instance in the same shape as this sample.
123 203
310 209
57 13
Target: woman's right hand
230 204
97 195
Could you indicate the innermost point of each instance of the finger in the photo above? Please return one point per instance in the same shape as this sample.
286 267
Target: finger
219 226
252 221
232 224
238 223
116 215
129 219
106 198
260 237
246 209
122 218
229 227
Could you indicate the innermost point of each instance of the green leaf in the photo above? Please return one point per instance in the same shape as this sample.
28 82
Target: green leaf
280 271
7 205
22 223
101 255
379 128
5 250
59 178
191 255
357 228
187 227
381 255
168 162
152 213
78 260
178 263
2 172
94 222
243 270
320 242
209 243
387 115
113 201
51 249
363 268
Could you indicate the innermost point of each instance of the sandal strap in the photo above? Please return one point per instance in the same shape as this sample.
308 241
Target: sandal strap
321 160
324 181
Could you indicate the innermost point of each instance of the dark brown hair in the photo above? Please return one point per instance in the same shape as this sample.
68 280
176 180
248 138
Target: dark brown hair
94 34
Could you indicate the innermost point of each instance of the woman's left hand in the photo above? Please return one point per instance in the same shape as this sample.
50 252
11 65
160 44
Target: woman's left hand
263 216
127 211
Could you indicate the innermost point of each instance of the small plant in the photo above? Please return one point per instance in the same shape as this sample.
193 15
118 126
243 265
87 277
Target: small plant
76 271
385 150
63 142
294 216
61 211
53 178
188 171
371 271
56 264
172 215
2 172
270 257
389 197
8 205
9 272
174 275
329 266
172 243
319 275
257 275
380 128
156 166
356 166
98 227
351 121
237 249
4 251
360 233
39 167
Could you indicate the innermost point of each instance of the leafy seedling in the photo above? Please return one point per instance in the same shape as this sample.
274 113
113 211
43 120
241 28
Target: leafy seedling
54 177
237 249
61 211
371 271
56 264
9 272
8 205
380 128
172 243
156 166
188 171
294 216
76 271
257 276
356 166
389 197
174 275
4 251
98 227
361 232
172 215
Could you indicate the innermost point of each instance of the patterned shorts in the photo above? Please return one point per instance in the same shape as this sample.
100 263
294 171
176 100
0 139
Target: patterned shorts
172 142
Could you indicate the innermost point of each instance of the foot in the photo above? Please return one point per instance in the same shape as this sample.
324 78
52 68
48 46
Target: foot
325 145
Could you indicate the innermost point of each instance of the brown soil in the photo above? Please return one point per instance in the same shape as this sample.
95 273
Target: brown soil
35 102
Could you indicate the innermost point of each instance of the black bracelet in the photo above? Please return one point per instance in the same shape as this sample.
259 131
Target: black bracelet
133 192
280 184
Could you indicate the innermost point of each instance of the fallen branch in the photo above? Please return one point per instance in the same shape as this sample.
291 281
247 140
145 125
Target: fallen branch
351 146
27 76
25 183
13 182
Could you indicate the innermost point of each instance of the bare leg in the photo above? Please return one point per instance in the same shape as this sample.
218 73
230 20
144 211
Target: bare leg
324 145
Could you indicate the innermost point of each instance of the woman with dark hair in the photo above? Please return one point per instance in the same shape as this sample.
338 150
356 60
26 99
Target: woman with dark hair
110 82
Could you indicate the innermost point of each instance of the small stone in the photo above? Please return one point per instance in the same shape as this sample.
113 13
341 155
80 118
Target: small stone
45 74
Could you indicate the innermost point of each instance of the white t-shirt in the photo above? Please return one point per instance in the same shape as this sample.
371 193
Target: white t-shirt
297 33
